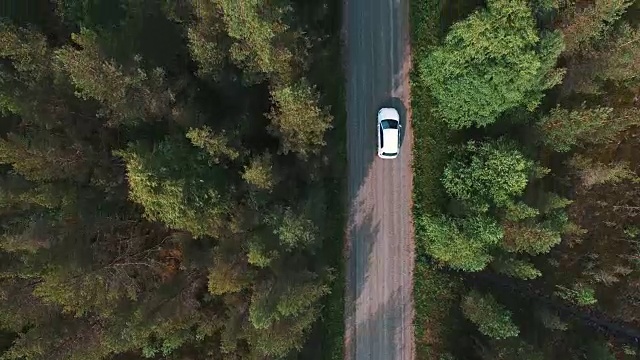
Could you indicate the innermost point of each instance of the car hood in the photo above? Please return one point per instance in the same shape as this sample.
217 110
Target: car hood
388 113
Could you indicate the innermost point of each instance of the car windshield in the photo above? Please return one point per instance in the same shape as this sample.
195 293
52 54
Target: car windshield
389 124
389 154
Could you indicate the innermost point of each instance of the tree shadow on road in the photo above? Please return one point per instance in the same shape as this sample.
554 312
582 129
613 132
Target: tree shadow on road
361 233
372 341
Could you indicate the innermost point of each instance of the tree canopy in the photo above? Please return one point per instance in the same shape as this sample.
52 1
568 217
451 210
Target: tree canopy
486 174
491 318
151 206
492 61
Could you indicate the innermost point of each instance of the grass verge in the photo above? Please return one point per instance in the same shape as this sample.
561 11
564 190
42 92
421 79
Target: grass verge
438 320
327 341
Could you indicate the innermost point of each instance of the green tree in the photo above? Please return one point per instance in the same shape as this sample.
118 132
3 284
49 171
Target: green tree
128 94
216 145
591 172
297 119
579 294
582 26
282 312
176 185
520 211
491 318
520 269
259 173
493 61
229 274
259 255
293 229
261 38
482 174
563 129
206 39
463 244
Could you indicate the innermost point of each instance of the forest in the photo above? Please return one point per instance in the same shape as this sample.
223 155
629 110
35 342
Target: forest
171 179
527 166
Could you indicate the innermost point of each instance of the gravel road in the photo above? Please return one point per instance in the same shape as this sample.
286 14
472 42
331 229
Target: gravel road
379 247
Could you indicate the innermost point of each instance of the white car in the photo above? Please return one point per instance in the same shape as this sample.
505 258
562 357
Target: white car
388 133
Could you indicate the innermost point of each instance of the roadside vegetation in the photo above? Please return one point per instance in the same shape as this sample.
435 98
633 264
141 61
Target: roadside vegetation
436 293
171 180
527 178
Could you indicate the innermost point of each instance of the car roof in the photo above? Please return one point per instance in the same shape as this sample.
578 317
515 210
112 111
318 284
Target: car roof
390 140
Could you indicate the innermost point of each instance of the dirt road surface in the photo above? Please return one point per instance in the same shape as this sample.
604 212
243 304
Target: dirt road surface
379 247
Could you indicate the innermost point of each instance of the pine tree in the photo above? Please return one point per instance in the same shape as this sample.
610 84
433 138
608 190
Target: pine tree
563 129
175 184
491 318
297 119
614 59
207 42
591 172
128 94
216 145
531 238
261 38
282 312
520 269
259 173
583 27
